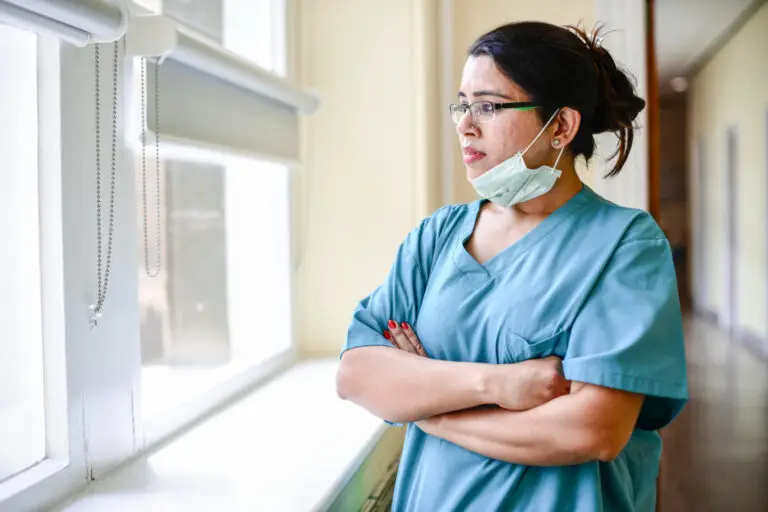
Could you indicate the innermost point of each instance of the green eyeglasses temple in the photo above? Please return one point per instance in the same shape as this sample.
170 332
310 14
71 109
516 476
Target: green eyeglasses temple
516 106
522 106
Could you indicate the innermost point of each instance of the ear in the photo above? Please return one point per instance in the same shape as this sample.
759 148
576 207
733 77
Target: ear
566 125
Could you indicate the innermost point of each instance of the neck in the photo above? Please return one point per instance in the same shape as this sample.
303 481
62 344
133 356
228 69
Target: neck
567 185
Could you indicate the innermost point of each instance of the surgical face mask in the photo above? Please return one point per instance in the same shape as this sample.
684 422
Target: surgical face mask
512 182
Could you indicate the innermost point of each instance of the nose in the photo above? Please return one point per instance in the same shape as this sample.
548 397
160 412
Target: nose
466 126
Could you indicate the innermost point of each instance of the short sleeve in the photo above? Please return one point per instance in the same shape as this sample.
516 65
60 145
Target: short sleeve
629 333
399 296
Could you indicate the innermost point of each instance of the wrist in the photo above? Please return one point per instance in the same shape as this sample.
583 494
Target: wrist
487 383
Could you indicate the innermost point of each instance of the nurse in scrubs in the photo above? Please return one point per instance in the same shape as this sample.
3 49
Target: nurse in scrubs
531 342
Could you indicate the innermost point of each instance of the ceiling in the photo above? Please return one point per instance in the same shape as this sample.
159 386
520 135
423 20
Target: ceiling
686 30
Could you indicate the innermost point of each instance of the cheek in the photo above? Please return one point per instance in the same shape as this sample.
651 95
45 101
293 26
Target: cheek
502 144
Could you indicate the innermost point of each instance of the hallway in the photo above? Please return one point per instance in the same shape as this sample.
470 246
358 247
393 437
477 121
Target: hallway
716 452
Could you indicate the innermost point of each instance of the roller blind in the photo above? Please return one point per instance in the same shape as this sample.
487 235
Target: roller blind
210 97
79 22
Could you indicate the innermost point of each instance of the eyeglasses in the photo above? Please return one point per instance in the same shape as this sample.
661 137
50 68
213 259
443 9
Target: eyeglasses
482 111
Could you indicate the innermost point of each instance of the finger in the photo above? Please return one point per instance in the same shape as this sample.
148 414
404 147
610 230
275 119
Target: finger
391 339
413 339
399 337
388 337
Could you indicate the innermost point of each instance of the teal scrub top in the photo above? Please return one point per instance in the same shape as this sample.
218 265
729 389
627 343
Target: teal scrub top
594 284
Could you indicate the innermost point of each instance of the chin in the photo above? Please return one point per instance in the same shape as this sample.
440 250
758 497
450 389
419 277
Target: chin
475 170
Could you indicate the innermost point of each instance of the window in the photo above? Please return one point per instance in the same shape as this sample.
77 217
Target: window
22 414
214 244
253 29
220 302
75 386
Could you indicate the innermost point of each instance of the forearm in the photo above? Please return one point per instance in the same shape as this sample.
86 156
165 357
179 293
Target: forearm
568 430
401 387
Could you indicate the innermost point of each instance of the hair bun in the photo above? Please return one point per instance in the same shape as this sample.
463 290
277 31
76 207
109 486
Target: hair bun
617 103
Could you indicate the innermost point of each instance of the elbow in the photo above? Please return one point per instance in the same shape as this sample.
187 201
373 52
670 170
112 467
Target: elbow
607 452
607 446
345 379
351 375
354 384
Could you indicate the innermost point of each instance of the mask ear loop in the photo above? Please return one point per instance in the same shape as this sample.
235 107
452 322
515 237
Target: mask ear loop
554 167
540 132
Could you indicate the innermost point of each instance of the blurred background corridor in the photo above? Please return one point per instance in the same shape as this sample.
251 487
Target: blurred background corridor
177 351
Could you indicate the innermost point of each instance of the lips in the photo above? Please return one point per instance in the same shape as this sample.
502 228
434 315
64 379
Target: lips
471 154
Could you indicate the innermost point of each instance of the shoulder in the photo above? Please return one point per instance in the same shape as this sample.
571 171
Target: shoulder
431 235
444 219
639 252
451 212
625 225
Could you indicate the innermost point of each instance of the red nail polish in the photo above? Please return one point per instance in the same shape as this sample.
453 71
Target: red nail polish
392 324
404 326
387 335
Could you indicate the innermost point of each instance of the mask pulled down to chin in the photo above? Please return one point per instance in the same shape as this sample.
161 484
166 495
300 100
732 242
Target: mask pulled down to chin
512 182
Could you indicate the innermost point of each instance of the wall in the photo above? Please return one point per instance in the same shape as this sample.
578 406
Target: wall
471 19
730 91
364 185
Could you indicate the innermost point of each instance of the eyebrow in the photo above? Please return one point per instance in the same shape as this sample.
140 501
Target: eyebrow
487 93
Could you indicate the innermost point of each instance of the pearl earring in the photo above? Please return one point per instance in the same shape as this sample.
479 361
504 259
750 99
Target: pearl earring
556 143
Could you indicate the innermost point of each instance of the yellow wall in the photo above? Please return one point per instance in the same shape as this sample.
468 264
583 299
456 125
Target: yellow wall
472 18
372 151
358 191
731 91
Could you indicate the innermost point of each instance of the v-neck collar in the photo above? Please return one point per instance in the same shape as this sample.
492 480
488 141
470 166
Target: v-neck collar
470 266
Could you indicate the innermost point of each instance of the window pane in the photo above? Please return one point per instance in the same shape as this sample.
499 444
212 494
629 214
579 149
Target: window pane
205 16
221 301
22 416
251 28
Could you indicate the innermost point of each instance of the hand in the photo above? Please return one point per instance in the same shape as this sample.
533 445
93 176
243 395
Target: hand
525 385
402 336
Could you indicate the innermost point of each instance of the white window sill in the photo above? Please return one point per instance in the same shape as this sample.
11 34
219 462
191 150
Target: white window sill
290 446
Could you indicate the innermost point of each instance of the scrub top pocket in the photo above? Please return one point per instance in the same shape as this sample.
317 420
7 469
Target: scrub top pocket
513 348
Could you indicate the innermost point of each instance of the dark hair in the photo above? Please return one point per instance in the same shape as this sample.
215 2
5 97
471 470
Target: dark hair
565 67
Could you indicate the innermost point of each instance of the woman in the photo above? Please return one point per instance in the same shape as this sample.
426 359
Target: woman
484 300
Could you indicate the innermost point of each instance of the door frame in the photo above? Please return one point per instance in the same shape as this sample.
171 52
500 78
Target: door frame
732 242
765 201
701 241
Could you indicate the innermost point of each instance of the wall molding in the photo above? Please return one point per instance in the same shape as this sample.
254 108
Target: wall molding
708 315
753 342
720 42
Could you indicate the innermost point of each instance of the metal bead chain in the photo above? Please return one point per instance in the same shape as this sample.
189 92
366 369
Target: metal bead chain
103 267
156 271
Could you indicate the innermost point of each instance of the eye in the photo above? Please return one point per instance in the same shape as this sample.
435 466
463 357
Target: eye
486 108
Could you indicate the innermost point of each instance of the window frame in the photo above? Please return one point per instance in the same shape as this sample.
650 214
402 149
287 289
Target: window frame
64 466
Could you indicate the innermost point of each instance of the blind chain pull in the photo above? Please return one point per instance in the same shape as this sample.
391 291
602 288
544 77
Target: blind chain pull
104 263
151 272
